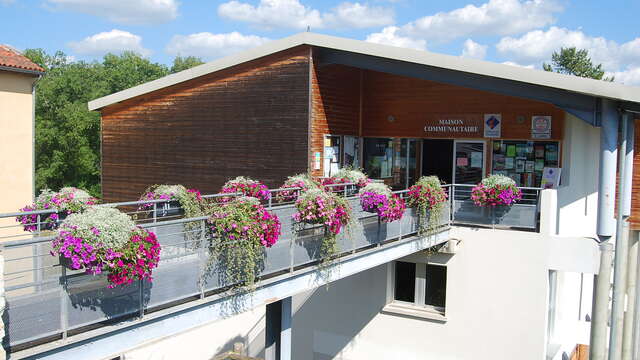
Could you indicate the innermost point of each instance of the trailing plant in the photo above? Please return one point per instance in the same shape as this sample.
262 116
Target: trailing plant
67 201
243 229
246 187
333 181
346 175
296 184
428 197
378 198
496 190
105 239
353 175
190 199
316 206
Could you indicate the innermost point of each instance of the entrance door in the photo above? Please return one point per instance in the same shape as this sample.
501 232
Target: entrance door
405 164
468 163
437 156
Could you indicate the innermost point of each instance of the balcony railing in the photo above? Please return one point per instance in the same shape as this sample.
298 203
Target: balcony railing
47 302
524 215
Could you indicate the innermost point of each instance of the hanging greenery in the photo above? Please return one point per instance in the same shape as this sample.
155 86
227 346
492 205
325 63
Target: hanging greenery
294 185
429 198
378 198
188 200
316 206
242 229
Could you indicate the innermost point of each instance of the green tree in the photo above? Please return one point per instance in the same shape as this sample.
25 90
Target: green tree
573 61
183 63
67 143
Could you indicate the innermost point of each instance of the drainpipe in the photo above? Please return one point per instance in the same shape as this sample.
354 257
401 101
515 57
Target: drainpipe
605 228
627 339
621 255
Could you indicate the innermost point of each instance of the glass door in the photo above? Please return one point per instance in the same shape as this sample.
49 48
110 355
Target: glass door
405 164
468 162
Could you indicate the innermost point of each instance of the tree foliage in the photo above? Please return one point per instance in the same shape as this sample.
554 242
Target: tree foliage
573 61
67 139
183 63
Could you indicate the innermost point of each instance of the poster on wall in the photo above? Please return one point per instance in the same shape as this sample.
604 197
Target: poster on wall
541 127
550 178
492 125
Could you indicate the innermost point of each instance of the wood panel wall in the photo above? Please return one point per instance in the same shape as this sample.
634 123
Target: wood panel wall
412 102
249 120
635 191
335 104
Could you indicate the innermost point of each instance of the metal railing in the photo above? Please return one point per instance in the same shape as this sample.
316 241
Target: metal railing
47 302
524 214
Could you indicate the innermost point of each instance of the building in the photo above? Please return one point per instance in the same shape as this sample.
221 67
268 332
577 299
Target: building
518 285
18 76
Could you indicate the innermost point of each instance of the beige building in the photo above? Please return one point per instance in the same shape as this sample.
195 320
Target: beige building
18 76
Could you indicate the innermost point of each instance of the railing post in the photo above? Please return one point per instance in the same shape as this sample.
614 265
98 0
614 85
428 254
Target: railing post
64 316
141 299
202 247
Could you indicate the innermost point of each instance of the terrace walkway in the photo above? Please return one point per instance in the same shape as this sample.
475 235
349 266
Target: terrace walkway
55 313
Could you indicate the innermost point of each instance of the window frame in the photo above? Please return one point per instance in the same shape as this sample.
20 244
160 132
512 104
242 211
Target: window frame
418 308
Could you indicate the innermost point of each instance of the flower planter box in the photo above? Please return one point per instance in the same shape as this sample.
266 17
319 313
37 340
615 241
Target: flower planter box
168 208
53 225
65 262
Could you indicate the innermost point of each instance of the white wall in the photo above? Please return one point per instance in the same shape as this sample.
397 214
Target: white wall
578 192
497 303
207 341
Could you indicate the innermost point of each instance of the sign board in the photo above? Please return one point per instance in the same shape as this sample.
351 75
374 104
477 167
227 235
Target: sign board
453 125
541 127
550 178
492 125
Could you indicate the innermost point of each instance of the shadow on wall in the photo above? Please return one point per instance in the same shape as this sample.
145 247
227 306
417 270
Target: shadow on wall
322 330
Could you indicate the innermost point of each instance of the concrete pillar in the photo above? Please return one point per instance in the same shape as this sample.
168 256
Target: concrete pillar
273 320
621 256
548 211
607 174
278 330
285 331
632 265
602 286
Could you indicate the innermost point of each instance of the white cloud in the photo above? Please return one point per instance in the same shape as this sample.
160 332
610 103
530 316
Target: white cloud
630 76
389 36
270 14
114 41
511 63
209 46
123 11
496 17
537 46
358 16
472 49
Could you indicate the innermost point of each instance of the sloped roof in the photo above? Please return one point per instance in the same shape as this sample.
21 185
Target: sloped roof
11 58
597 88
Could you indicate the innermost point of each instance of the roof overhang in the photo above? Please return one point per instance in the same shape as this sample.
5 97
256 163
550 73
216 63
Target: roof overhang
579 96
22 71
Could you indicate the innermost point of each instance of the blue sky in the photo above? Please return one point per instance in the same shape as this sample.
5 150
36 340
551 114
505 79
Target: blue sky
517 32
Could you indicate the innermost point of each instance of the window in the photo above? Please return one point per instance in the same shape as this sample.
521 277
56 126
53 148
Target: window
523 161
405 284
417 289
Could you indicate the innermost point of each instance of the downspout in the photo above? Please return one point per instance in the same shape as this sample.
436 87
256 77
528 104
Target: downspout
33 137
605 228
621 254
627 339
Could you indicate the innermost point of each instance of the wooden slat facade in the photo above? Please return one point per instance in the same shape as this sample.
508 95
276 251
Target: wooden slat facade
635 192
249 120
254 119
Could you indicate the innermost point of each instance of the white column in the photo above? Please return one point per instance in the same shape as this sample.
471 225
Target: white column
285 331
548 211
